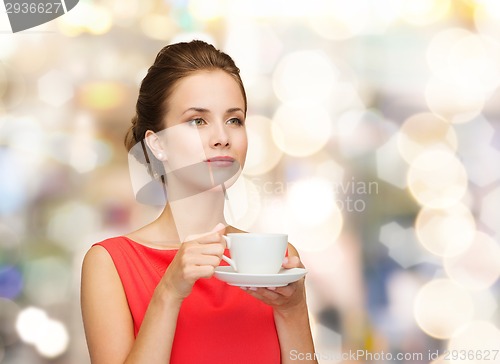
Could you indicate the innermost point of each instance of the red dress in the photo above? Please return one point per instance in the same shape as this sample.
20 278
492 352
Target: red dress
217 323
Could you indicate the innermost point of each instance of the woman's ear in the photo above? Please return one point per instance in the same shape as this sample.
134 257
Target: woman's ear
154 143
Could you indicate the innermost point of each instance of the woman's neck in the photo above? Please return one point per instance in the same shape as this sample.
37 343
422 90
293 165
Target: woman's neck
195 214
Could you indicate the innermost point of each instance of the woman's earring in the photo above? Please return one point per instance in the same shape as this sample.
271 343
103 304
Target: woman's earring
160 156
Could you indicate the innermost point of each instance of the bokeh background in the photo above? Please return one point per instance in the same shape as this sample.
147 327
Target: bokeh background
374 131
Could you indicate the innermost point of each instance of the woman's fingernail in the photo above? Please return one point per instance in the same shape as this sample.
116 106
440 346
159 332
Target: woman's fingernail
243 288
252 288
285 260
271 288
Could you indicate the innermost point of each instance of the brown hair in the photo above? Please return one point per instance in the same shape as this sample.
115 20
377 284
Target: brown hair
173 63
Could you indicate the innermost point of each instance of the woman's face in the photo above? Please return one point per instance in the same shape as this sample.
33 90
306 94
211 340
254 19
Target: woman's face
205 139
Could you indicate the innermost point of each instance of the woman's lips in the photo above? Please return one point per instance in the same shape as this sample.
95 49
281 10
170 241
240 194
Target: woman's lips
221 161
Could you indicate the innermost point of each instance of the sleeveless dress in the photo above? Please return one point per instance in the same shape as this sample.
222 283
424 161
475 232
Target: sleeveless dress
217 323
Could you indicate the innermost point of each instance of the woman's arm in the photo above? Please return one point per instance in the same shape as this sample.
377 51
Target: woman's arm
291 316
106 316
108 323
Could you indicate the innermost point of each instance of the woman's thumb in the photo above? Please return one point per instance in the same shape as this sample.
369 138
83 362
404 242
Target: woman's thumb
220 226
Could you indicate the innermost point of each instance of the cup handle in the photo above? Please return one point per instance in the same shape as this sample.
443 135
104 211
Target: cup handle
225 258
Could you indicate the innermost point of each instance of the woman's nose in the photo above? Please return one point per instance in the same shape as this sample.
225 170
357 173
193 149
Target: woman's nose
219 137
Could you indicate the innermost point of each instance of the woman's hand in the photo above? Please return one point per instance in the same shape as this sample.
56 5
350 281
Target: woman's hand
197 258
285 299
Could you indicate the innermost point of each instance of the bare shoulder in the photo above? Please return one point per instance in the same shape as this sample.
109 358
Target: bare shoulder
106 317
97 257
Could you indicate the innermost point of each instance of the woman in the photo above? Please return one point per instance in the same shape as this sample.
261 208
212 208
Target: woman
150 296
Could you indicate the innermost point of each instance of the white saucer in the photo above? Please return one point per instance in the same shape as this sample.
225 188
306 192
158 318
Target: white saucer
282 278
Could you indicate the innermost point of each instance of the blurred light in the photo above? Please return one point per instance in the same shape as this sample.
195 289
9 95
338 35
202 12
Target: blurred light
13 194
446 232
285 9
30 324
261 52
314 238
346 97
361 131
478 267
441 46
263 155
272 217
83 159
207 10
402 288
441 307
311 201
487 18
101 21
15 87
330 170
72 221
260 92
9 44
47 280
158 26
126 12
425 131
3 81
189 36
8 314
54 88
391 168
477 338
8 237
81 152
301 129
437 179
440 360
337 19
485 304
102 95
457 102
86 17
402 245
481 164
347 122
313 219
86 153
140 76
243 206
424 12
479 159
326 338
11 281
490 213
473 58
275 216
55 341
26 138
304 76
457 55
386 12
109 63
50 337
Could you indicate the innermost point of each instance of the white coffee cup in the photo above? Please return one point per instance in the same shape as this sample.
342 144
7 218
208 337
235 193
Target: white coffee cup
255 253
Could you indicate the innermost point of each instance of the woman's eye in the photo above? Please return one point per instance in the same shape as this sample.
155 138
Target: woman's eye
235 121
196 122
